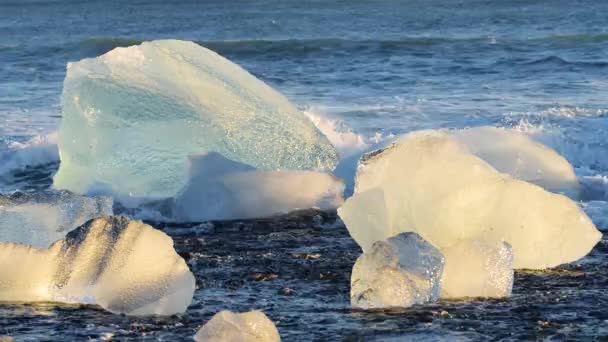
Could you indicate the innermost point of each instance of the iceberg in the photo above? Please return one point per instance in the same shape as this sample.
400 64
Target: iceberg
40 218
132 116
226 326
477 269
517 155
221 189
121 265
430 183
398 272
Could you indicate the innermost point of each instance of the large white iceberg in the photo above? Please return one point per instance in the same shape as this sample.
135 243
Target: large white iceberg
121 265
226 326
398 272
430 183
221 189
40 218
132 117
477 269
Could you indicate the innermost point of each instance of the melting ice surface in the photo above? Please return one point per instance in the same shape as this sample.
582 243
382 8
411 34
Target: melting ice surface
132 117
40 218
227 326
121 265
477 269
399 272
221 189
430 183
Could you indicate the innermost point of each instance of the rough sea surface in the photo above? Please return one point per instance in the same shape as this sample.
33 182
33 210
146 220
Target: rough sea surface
381 67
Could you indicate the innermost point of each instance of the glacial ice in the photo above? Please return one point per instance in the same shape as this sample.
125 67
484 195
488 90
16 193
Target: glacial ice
477 269
430 183
221 189
132 117
121 265
40 218
515 154
227 326
398 272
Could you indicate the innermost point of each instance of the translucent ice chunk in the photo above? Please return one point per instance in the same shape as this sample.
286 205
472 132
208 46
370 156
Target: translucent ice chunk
398 272
121 265
477 269
132 116
430 183
221 189
228 326
40 218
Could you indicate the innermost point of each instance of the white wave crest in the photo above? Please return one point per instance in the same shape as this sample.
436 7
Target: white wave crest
39 150
343 138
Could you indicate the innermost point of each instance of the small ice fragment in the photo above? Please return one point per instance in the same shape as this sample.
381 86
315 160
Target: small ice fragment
227 326
477 269
398 272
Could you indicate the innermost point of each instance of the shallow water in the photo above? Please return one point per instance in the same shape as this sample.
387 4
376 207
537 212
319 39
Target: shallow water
381 67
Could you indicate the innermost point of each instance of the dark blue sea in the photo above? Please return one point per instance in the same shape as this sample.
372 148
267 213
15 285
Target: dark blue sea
378 67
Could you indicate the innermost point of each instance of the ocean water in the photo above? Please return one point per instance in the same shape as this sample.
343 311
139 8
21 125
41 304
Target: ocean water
378 67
